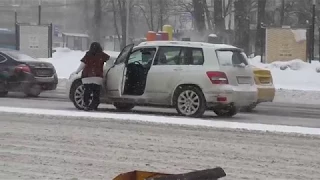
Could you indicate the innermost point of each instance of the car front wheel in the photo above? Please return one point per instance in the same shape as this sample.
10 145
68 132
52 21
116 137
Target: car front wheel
34 91
77 94
190 101
249 108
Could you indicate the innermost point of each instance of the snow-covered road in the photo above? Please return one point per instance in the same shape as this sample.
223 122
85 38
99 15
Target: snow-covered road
63 148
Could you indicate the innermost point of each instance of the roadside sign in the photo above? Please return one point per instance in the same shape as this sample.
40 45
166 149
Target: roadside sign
34 40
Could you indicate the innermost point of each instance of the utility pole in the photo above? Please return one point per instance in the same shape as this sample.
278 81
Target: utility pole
97 21
283 2
312 29
127 20
39 12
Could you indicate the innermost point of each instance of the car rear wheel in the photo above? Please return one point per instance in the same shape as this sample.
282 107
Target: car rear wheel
34 91
228 111
190 101
123 106
4 93
77 94
249 108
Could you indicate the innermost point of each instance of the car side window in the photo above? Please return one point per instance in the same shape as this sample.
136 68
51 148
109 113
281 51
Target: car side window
135 56
123 55
2 58
231 57
169 56
192 56
143 56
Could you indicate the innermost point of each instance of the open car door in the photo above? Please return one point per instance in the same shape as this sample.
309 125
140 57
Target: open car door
115 76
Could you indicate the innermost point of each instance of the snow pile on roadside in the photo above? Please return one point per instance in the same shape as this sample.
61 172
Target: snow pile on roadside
292 75
217 123
67 61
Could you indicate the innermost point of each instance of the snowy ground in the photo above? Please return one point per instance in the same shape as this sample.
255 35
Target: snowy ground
40 147
293 75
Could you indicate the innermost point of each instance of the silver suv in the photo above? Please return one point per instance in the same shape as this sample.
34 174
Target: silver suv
190 76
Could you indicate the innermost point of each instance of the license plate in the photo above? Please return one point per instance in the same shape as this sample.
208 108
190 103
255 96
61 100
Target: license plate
265 80
43 72
244 80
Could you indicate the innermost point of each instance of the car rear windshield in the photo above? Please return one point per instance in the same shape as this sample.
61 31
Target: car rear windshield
231 57
19 56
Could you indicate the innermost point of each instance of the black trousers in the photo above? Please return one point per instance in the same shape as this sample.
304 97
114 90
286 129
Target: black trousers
91 90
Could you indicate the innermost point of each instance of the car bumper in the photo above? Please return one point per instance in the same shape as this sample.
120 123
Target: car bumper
266 93
47 83
235 96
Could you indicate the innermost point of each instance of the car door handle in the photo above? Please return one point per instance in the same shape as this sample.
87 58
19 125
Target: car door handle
177 69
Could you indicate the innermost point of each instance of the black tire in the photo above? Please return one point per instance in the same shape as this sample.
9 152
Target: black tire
201 101
123 106
228 111
33 91
77 84
4 93
249 108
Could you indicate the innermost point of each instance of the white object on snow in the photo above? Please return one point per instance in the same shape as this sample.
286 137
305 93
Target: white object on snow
292 75
299 34
213 35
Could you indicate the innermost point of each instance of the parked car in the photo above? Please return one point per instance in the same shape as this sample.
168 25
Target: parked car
191 76
266 89
22 73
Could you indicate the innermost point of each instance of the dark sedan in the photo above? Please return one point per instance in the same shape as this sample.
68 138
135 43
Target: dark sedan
22 73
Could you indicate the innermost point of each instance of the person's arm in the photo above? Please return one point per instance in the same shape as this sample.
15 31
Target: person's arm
82 65
80 68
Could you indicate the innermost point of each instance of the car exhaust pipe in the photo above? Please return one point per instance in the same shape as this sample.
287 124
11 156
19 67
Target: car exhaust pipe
208 174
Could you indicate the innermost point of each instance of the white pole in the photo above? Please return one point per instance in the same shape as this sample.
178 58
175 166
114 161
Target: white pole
127 21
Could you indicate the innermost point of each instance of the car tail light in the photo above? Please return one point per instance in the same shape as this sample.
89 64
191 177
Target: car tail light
217 77
23 68
221 99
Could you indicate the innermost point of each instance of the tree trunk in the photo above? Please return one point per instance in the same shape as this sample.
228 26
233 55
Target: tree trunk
161 6
115 22
151 14
219 24
260 32
123 19
208 17
199 17
242 25
97 22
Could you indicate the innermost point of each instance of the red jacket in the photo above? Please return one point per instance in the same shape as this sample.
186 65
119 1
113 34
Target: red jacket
94 64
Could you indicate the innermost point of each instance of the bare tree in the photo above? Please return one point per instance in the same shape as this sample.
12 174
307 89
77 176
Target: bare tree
208 16
199 16
219 23
242 24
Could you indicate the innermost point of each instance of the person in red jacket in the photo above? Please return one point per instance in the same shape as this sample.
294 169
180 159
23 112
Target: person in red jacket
92 74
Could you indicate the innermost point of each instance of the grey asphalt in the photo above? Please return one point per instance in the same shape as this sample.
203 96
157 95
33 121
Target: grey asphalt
266 113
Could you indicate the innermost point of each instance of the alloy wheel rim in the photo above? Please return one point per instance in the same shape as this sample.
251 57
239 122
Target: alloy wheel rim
79 95
188 102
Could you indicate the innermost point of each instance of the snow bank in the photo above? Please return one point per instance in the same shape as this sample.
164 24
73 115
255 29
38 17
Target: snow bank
67 61
292 75
164 120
